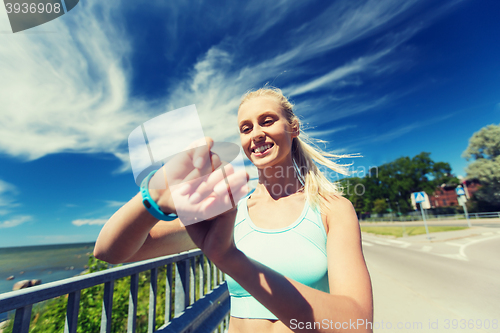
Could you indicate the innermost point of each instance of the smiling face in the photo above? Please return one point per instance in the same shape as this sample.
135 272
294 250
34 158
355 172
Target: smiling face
265 133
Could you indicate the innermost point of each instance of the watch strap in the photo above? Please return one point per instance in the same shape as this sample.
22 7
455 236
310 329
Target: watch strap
151 206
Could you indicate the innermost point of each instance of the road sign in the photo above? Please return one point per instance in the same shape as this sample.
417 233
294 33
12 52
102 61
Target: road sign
460 191
422 199
419 197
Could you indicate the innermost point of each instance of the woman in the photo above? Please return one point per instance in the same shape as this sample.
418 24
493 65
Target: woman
291 251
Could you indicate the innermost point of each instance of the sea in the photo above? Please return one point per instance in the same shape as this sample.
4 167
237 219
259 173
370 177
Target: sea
45 262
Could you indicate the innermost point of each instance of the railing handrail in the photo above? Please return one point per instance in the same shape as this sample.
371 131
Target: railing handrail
21 298
418 217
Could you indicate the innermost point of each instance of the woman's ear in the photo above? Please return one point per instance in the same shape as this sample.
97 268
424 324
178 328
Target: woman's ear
295 128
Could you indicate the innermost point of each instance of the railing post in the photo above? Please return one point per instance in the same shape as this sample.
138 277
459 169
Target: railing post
209 276
181 286
153 286
201 276
192 278
132 303
72 312
214 276
22 319
107 307
168 294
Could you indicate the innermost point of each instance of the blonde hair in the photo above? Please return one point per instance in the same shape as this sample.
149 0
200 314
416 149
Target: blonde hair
305 152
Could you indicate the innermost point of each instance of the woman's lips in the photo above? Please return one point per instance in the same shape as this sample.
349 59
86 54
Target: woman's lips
262 150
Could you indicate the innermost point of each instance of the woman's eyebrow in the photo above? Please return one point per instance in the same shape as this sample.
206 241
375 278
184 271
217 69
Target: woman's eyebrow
264 114
243 122
268 113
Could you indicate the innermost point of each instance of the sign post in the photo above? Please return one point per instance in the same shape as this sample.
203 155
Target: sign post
462 199
420 198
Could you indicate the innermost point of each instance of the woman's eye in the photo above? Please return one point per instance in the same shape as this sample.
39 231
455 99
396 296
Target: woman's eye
268 122
245 130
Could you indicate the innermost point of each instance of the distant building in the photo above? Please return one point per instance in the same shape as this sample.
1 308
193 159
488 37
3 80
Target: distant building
445 195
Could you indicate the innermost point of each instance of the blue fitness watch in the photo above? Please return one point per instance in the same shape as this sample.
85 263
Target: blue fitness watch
149 203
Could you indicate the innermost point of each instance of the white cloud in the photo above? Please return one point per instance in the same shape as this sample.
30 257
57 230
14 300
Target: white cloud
66 91
14 222
81 222
70 90
7 194
328 132
113 203
336 75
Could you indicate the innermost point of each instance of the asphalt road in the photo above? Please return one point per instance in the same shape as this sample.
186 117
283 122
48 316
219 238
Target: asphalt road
450 283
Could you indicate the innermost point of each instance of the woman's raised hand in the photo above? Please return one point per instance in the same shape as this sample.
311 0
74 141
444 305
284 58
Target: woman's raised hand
197 185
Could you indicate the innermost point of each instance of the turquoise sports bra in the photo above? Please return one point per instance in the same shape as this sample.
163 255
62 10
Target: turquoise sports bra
297 251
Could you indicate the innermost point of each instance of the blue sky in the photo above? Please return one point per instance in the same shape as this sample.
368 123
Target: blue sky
383 78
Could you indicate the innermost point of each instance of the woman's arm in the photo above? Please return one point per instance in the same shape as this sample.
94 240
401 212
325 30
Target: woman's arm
349 303
133 234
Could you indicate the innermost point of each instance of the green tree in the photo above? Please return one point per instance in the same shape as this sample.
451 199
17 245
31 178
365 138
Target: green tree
380 206
396 181
354 190
484 148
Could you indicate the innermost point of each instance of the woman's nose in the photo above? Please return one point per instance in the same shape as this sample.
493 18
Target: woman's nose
257 134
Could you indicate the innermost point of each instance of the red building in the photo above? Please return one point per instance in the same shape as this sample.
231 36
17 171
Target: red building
445 195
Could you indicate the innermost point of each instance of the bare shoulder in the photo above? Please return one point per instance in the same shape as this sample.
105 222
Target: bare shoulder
340 212
347 272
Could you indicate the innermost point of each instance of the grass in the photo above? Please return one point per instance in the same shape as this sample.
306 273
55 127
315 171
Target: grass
410 231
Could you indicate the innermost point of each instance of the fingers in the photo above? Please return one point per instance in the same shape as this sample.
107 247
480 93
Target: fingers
214 206
232 181
216 162
206 187
201 152
222 186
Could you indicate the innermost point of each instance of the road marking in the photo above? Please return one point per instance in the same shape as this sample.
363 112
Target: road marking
395 241
454 244
453 256
487 233
366 244
400 243
426 248
462 248
380 242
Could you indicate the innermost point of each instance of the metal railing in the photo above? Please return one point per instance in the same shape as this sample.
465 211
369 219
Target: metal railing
206 312
439 217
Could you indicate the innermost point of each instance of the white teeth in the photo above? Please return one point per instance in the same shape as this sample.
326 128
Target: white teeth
262 148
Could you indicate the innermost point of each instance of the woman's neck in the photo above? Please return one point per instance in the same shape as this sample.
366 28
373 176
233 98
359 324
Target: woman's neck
278 181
